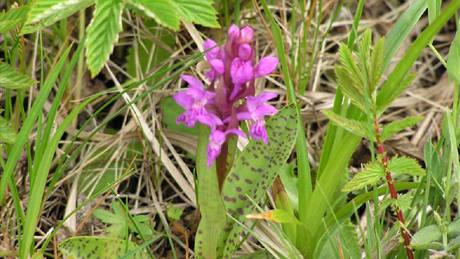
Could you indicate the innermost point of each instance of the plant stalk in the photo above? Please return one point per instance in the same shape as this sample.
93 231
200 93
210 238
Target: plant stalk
394 195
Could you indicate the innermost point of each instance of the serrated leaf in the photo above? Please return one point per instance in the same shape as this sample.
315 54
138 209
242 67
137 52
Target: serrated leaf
44 13
405 165
91 247
394 127
13 18
356 127
377 62
103 33
10 78
163 12
370 175
254 171
347 61
453 59
7 133
347 85
198 11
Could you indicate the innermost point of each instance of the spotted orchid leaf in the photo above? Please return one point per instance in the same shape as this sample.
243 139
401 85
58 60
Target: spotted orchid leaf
90 247
253 173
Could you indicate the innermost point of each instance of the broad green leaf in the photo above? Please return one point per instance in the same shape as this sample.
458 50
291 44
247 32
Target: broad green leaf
454 228
44 13
405 165
198 11
7 133
10 78
254 171
394 127
13 18
163 11
358 128
426 237
92 247
103 33
453 59
370 175
402 28
207 239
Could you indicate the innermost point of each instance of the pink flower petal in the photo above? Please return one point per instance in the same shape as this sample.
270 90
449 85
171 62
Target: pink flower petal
245 51
265 110
246 34
241 71
212 50
233 32
192 81
217 65
183 100
266 66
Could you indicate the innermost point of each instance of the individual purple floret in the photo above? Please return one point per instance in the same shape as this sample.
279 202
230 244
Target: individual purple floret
230 98
216 139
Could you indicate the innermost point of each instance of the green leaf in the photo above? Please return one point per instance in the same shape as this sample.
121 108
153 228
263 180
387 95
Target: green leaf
7 133
163 12
396 82
370 175
44 13
425 238
10 78
13 18
405 165
434 8
348 86
103 33
358 128
402 28
254 171
91 247
349 77
198 11
453 59
207 239
377 63
394 127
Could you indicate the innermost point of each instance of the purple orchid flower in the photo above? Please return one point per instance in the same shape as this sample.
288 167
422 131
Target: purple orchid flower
194 101
216 139
257 109
230 98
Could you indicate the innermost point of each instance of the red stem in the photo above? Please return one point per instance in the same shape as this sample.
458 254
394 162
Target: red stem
394 195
